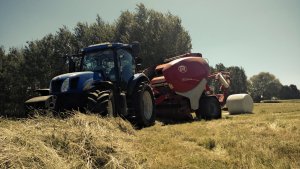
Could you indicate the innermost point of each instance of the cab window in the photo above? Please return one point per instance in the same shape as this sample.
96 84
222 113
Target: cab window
127 66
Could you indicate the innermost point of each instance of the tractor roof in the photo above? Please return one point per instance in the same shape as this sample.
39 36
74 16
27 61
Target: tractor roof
106 45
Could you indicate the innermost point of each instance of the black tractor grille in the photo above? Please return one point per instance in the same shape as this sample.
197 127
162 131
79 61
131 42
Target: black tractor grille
73 83
56 85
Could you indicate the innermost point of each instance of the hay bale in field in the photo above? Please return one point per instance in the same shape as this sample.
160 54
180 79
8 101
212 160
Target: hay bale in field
239 103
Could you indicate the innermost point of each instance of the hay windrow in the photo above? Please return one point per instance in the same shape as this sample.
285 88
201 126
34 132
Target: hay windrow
81 141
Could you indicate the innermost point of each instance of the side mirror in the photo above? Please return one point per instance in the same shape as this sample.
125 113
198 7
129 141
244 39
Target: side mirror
138 60
135 48
138 63
139 67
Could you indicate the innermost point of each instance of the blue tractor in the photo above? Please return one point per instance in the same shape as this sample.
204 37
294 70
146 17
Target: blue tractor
106 83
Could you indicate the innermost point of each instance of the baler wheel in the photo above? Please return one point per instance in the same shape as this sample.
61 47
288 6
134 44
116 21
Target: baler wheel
209 108
143 102
101 103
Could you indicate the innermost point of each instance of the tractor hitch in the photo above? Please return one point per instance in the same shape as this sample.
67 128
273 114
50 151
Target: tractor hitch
41 102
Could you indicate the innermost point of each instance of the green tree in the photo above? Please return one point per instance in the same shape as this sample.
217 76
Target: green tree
124 28
220 67
38 63
13 88
289 92
2 79
101 31
264 86
238 80
160 35
94 33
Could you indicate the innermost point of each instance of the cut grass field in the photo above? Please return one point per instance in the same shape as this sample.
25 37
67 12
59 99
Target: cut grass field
268 138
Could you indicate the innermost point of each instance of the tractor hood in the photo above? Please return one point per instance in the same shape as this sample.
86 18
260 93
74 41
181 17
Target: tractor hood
74 82
76 74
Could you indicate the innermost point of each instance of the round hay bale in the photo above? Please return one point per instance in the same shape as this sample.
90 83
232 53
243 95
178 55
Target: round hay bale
239 103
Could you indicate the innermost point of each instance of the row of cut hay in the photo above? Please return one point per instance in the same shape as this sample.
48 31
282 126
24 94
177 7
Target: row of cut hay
281 101
80 141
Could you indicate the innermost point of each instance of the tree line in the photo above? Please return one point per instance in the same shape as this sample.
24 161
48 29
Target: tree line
161 35
265 86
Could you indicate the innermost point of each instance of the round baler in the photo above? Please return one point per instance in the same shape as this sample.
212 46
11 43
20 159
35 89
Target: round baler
180 87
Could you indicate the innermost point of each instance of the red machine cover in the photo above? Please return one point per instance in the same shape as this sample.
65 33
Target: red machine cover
186 73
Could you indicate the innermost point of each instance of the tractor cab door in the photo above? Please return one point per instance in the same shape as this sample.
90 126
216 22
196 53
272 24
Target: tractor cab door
127 67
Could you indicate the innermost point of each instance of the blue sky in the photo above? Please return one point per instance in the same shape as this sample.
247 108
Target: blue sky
258 35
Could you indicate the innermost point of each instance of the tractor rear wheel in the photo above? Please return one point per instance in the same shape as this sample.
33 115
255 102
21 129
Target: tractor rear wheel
209 108
101 102
143 101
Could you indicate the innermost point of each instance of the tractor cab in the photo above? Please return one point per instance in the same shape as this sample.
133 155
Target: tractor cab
114 64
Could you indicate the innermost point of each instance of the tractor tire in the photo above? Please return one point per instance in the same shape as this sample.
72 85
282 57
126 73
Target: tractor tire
143 102
209 108
101 103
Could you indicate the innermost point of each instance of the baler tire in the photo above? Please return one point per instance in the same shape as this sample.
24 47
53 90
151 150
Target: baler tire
209 108
143 101
101 103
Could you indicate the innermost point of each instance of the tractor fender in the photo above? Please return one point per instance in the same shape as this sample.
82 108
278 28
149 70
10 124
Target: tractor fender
139 77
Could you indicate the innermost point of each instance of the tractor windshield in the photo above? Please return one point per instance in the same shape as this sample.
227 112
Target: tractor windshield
100 61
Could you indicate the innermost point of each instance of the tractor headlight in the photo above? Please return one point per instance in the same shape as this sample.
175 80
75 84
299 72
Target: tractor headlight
50 87
65 85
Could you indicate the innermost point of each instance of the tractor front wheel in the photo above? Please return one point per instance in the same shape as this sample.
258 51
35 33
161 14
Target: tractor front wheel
144 105
101 102
209 108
